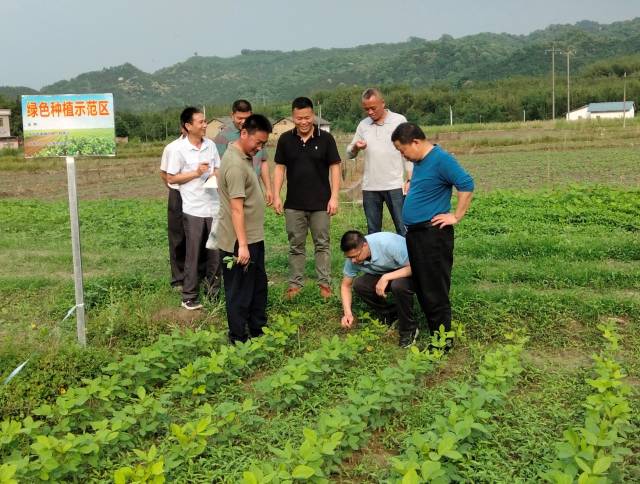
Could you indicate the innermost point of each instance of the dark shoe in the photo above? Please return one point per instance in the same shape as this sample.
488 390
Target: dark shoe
292 292
408 338
389 318
325 291
191 304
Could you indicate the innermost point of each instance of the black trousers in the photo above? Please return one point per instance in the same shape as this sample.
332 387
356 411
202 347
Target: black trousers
402 307
372 203
200 262
431 257
177 240
245 289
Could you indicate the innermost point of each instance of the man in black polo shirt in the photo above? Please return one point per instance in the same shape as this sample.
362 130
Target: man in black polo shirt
309 158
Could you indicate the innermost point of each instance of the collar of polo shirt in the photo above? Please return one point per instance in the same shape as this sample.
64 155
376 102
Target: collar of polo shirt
314 132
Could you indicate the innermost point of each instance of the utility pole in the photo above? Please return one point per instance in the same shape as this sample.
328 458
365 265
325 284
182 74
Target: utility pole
553 51
624 102
569 53
450 115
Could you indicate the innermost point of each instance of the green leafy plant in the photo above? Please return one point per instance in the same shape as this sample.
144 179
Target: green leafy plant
589 454
299 375
345 428
149 471
432 456
231 260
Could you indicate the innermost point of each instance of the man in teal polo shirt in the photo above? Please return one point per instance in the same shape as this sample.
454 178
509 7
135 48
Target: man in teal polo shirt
241 110
427 216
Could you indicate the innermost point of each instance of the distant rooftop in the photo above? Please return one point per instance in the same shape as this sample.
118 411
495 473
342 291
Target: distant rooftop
318 120
611 107
226 120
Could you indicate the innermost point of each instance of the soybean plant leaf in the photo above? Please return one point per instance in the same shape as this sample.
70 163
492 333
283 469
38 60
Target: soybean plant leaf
583 465
565 450
153 451
157 469
602 464
453 454
310 434
302 472
249 478
430 469
411 477
120 476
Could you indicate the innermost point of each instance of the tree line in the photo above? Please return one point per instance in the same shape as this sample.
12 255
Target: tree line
469 101
513 99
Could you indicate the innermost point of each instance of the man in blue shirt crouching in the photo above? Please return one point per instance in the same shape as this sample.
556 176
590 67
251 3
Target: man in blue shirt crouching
426 215
383 259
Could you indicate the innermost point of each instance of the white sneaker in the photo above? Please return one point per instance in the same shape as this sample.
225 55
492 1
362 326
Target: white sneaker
191 304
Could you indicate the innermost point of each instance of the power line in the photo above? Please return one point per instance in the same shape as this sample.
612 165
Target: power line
569 52
553 51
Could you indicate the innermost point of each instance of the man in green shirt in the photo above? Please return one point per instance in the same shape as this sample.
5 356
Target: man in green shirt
240 232
241 110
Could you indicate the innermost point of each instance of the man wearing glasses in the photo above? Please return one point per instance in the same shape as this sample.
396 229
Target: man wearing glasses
383 259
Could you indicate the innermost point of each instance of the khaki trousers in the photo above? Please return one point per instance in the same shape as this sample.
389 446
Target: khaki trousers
299 223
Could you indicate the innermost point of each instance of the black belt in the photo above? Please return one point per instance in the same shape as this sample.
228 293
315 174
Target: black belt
419 226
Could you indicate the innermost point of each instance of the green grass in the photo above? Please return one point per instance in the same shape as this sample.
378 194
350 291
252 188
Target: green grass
553 259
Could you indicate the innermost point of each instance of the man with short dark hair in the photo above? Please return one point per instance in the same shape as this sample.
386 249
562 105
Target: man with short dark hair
383 259
309 158
190 164
429 222
241 232
384 168
241 110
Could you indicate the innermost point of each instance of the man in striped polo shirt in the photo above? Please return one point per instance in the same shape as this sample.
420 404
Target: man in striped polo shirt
240 111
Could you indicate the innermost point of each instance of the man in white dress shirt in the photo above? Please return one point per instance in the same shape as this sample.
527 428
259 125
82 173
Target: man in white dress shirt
191 163
175 230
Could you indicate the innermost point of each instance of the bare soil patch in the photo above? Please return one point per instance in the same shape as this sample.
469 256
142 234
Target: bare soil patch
568 358
180 317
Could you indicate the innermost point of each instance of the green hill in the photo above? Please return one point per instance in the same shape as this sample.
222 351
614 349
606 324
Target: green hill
277 76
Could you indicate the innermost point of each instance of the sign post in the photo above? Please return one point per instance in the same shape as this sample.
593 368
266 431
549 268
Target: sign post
67 126
77 254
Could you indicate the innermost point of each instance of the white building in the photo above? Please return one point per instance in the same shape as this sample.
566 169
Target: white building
215 125
5 117
6 140
609 110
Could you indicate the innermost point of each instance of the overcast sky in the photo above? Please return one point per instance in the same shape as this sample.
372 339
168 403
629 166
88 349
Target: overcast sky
50 40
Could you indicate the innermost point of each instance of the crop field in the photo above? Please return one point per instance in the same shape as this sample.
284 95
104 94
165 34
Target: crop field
541 386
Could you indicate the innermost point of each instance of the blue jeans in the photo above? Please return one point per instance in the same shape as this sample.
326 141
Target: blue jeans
372 203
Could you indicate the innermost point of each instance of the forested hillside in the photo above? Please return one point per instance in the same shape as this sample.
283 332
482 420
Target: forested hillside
274 76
